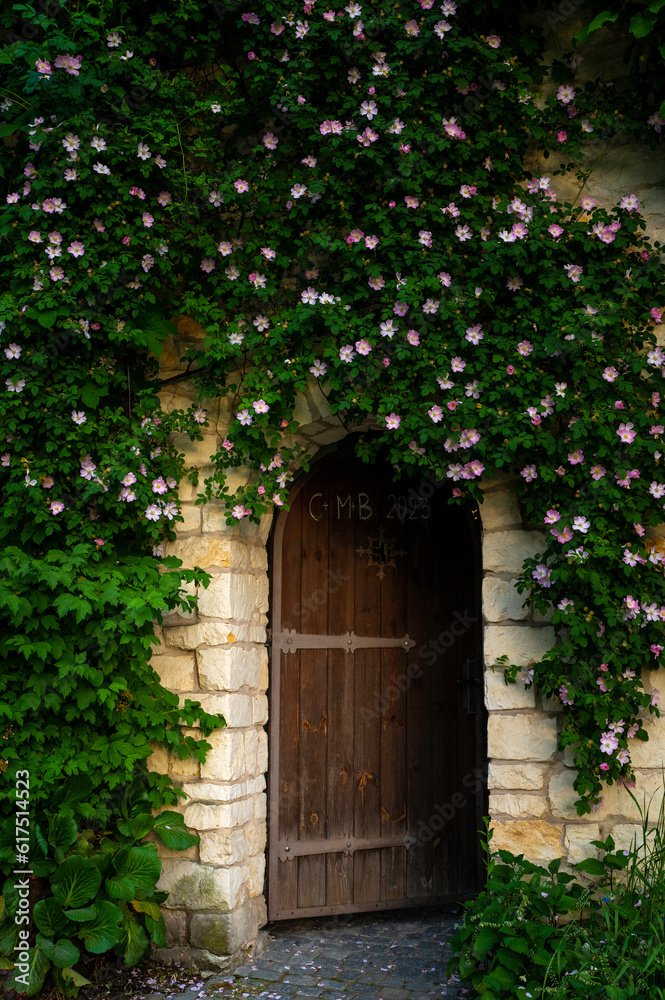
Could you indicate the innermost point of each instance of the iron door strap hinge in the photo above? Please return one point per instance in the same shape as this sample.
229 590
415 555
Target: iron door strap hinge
469 681
289 640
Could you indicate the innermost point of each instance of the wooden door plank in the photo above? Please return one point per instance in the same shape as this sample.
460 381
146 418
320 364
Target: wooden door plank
422 578
313 699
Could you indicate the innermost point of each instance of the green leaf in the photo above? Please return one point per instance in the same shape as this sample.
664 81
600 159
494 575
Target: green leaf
134 940
91 393
81 914
141 825
75 790
104 931
62 953
170 828
147 906
642 24
69 981
76 882
592 867
62 831
49 917
597 22
140 864
29 983
157 930
119 887
485 940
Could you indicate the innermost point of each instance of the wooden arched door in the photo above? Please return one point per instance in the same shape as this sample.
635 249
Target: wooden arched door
377 725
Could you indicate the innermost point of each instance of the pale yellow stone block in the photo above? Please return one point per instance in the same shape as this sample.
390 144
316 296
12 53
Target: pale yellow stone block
223 847
577 841
499 695
198 454
537 840
518 804
226 760
177 673
201 816
158 760
237 709
515 776
500 510
193 886
229 669
212 634
521 737
521 644
231 596
208 553
191 520
187 768
505 551
501 601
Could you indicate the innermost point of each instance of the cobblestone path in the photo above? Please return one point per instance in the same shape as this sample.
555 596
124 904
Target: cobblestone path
396 955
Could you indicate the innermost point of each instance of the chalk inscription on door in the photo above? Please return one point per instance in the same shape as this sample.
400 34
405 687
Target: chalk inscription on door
376 736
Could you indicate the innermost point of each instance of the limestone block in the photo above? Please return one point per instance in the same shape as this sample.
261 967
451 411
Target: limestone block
252 750
515 776
626 836
200 816
521 644
223 847
256 784
616 800
225 933
262 762
191 519
257 871
212 634
258 558
501 602
197 453
176 927
256 836
505 551
259 709
499 695
577 839
499 510
187 768
260 806
651 754
195 959
226 760
231 596
537 840
236 708
264 676
158 760
215 791
521 737
193 886
208 553
518 804
189 853
262 602
176 672
224 669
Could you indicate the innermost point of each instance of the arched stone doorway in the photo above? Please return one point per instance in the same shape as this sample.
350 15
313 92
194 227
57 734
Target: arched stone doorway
377 723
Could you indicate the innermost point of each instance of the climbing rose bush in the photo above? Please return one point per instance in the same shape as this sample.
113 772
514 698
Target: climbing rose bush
345 204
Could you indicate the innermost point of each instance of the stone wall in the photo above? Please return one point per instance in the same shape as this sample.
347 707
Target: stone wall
531 784
218 656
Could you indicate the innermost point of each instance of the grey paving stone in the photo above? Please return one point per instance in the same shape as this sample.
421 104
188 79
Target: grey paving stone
299 980
267 975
